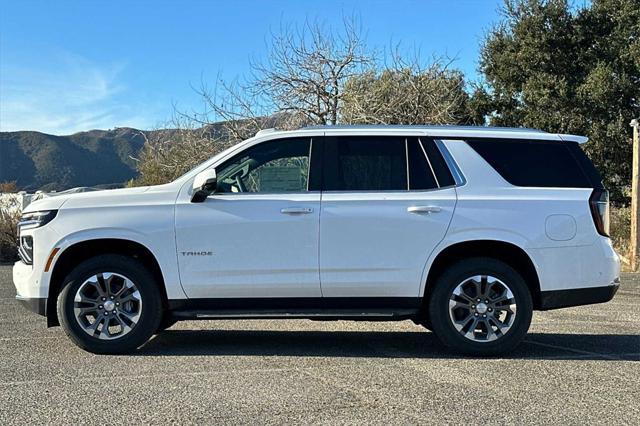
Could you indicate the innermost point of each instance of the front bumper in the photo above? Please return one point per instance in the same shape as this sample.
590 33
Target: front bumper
27 280
577 296
34 304
29 292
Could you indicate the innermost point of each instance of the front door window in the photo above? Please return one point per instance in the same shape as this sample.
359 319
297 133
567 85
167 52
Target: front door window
270 167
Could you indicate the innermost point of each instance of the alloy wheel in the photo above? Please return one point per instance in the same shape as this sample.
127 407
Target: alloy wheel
107 305
482 308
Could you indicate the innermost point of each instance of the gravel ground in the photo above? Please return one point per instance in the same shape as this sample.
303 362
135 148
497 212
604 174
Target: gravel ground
577 366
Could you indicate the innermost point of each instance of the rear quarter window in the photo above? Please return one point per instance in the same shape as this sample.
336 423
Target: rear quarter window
538 163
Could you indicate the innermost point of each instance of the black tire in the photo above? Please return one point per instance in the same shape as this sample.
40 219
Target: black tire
166 322
442 324
149 319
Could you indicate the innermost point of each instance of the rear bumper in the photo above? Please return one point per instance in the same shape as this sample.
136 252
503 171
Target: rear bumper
34 304
578 296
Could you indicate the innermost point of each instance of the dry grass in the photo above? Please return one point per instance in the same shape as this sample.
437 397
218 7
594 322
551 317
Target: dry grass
620 230
8 236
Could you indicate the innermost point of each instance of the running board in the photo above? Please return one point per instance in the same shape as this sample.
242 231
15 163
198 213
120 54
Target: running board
346 314
317 308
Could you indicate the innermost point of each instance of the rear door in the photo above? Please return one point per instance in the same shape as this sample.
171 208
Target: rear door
386 203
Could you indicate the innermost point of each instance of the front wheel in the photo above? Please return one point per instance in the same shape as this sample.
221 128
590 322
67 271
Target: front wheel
480 306
109 304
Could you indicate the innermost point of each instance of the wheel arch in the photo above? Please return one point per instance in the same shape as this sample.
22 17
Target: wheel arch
83 250
507 252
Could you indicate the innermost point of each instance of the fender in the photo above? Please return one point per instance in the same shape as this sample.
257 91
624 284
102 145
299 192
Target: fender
165 258
471 235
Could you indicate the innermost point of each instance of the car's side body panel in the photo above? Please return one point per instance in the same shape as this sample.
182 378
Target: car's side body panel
376 244
489 208
142 215
248 245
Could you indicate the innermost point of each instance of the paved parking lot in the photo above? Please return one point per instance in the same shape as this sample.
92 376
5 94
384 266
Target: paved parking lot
577 366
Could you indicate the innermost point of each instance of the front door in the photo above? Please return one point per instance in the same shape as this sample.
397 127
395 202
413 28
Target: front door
386 204
257 236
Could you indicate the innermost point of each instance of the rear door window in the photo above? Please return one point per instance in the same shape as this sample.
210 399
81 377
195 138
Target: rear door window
437 163
383 163
364 163
534 163
421 174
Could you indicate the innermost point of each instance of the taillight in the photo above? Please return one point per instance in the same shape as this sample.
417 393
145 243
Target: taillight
599 205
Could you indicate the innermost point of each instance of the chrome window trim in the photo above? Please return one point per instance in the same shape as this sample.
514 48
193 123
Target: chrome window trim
309 163
258 194
390 191
428 162
406 156
458 176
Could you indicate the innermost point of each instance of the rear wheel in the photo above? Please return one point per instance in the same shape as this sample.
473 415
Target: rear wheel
109 304
480 306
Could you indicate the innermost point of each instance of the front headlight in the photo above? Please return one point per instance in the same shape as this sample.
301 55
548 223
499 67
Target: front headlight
36 219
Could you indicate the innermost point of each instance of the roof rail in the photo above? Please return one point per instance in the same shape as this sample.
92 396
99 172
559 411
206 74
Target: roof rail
420 126
265 131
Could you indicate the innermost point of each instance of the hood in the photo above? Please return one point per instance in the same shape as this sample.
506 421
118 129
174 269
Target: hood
107 196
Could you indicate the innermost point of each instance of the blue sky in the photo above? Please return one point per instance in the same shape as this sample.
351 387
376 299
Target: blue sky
68 66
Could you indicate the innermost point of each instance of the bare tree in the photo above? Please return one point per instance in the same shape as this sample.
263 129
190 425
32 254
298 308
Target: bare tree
236 108
407 92
306 70
311 75
301 80
168 153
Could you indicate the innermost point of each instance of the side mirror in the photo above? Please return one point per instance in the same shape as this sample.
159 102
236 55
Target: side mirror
204 184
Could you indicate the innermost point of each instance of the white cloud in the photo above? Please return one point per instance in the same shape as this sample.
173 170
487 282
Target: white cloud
66 95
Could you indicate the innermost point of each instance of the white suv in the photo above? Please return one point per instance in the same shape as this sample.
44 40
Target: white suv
465 230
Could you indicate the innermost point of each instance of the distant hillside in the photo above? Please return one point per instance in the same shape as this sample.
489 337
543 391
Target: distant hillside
41 161
94 158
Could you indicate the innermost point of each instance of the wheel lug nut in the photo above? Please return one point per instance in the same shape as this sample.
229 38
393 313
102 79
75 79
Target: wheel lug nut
117 304
477 300
100 307
473 306
476 314
111 297
104 298
484 315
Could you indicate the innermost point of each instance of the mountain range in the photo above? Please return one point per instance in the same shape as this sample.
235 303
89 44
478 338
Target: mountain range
39 161
98 158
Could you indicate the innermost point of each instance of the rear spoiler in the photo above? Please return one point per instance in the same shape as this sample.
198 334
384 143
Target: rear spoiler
574 138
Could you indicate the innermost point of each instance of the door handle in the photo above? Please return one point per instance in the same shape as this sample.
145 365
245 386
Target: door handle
296 210
424 209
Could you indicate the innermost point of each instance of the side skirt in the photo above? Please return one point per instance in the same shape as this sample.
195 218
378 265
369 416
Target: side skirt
327 308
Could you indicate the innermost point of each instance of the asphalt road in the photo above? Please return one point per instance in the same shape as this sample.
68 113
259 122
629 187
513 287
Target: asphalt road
577 366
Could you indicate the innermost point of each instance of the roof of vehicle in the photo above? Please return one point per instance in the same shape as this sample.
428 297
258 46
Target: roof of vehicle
419 127
439 131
